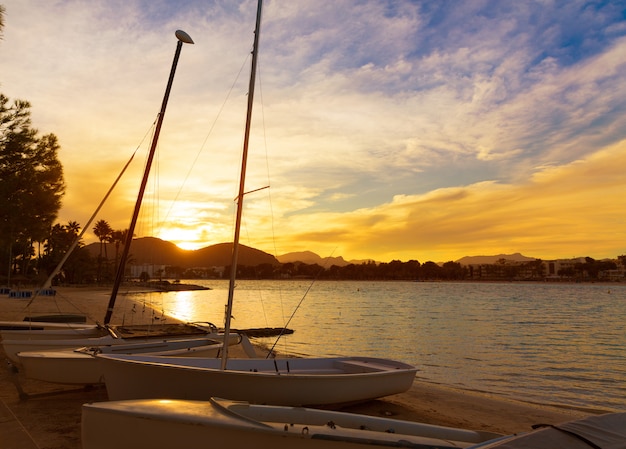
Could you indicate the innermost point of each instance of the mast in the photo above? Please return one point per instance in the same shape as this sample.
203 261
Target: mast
242 183
48 282
119 276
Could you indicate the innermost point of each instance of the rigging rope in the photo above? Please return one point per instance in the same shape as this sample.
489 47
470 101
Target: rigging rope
282 332
219 113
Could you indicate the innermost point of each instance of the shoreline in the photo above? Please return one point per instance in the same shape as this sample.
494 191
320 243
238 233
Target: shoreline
50 417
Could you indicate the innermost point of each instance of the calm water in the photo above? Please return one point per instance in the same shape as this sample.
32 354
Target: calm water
546 343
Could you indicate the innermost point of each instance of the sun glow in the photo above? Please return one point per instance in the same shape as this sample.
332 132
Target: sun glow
188 245
189 239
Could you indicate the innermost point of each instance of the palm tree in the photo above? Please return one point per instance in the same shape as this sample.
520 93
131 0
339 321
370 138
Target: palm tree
73 227
119 238
103 231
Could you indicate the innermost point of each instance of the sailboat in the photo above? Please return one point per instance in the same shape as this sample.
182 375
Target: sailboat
285 381
119 336
162 424
34 347
81 366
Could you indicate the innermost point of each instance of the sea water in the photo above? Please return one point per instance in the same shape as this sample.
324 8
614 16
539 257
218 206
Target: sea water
549 343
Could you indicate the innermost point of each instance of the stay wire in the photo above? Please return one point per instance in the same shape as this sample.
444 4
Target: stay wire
282 331
218 115
267 186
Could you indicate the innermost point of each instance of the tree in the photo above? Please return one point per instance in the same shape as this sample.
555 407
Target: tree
119 239
430 270
453 270
104 232
31 182
58 243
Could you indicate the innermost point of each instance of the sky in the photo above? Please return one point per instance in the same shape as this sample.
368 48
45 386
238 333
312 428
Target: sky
385 130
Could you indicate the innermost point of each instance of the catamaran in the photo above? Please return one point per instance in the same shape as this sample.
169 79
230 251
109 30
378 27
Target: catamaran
163 424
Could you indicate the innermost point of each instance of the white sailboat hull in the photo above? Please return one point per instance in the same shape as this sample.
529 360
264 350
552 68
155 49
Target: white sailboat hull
21 330
291 381
37 342
13 347
83 366
175 423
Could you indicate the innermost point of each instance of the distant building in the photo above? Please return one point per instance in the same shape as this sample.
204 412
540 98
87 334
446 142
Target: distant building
562 268
618 274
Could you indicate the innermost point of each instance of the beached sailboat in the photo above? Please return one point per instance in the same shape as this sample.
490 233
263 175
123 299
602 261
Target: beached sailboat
81 366
119 335
165 424
286 381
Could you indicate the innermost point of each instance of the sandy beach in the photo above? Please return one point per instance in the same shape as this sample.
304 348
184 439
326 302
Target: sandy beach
49 417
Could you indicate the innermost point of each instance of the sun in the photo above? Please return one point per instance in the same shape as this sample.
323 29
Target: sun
188 245
188 239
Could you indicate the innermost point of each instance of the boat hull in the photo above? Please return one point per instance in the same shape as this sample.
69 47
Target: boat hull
292 381
13 347
83 366
31 330
175 423
23 330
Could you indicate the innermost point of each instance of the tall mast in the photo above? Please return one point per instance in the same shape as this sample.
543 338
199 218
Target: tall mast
242 183
182 38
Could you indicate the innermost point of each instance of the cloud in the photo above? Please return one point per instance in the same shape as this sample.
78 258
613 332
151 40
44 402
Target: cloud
549 217
389 129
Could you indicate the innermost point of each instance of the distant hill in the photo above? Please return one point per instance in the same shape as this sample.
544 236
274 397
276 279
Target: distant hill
152 250
310 258
479 260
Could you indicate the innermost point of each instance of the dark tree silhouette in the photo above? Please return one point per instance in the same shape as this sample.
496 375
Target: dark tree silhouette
31 184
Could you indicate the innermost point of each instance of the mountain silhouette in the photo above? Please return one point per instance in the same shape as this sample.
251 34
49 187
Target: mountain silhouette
310 258
152 250
477 260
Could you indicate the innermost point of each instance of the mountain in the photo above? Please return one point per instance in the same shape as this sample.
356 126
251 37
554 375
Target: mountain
151 250
480 260
310 258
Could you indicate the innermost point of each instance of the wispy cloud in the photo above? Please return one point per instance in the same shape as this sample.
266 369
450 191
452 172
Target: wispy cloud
391 130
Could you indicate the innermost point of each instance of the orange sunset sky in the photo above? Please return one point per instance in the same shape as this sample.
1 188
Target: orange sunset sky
425 130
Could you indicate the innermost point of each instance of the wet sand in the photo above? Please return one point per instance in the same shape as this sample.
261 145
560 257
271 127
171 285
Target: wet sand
49 418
